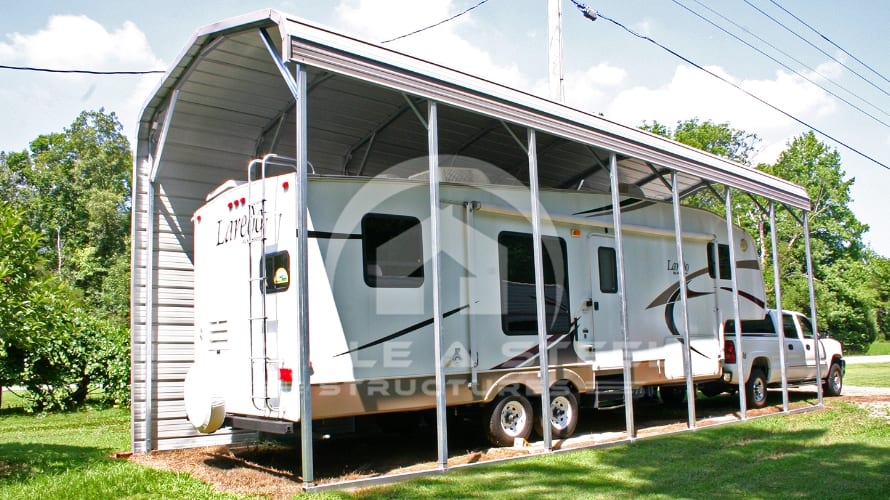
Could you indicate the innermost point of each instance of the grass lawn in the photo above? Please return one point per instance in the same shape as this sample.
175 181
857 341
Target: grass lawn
838 453
878 348
869 375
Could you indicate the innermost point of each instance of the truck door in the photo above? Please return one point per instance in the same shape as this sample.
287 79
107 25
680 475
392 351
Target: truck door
809 349
602 337
795 350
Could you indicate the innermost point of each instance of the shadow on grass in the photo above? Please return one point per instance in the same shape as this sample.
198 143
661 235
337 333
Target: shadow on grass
733 462
21 461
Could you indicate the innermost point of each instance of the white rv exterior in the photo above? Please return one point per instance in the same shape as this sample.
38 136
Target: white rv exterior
370 305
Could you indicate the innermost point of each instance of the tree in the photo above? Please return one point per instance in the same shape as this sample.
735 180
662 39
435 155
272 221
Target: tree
846 297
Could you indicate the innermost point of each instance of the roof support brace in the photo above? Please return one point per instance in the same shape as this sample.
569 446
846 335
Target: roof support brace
684 298
622 293
777 284
538 253
740 366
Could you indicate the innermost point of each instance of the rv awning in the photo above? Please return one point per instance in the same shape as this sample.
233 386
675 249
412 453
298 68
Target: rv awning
224 102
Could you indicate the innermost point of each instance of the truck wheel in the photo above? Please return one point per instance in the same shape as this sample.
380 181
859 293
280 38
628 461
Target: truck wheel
563 413
834 382
509 417
672 395
755 389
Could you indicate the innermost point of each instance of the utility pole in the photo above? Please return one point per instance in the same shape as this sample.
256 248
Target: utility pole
554 44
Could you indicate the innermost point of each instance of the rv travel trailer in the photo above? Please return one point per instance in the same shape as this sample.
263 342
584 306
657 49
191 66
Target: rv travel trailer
370 309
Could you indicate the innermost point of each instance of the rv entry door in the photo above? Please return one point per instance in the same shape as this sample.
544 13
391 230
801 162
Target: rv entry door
603 339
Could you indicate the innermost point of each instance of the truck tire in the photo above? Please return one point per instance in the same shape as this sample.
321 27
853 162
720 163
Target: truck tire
507 418
755 389
834 382
563 416
672 395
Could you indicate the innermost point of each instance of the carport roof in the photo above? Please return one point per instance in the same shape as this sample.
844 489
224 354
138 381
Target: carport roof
224 102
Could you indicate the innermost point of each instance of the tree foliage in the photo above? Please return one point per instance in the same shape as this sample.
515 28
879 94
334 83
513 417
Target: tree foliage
848 301
64 264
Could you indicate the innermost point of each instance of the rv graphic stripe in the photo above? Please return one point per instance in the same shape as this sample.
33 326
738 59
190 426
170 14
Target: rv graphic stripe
404 331
606 209
333 236
755 300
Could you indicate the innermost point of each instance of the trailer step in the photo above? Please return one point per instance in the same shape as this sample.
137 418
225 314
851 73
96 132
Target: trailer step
261 424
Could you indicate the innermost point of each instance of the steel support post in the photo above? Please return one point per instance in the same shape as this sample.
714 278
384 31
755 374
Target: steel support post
684 299
622 294
780 328
817 347
737 315
435 261
539 289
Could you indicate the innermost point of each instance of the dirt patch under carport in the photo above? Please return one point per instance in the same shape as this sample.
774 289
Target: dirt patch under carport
273 469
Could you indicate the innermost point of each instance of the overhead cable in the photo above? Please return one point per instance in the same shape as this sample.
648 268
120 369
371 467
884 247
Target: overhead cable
436 24
805 77
801 21
811 44
79 71
593 15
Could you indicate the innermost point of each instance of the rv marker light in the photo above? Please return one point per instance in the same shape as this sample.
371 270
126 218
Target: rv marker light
576 233
244 201
237 203
286 375
285 185
199 218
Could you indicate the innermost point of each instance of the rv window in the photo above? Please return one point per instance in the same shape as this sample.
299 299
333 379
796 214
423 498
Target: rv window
392 251
723 263
517 273
608 270
277 272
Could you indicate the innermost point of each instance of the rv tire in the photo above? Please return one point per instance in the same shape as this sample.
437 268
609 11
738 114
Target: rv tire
507 418
672 395
563 416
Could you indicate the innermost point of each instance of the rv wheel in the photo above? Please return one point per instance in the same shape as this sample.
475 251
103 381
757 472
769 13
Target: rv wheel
563 413
508 417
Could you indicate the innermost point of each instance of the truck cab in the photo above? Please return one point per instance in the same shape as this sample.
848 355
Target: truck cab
759 354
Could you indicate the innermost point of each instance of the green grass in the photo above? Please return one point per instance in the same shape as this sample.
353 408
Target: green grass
66 455
880 347
839 453
827 454
869 375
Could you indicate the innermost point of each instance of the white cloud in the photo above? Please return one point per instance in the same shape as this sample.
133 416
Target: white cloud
378 21
49 102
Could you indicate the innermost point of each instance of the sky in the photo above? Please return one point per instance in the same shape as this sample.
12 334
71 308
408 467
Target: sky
607 70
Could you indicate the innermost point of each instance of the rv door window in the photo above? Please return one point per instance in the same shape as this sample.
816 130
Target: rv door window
608 266
719 261
277 272
392 251
517 273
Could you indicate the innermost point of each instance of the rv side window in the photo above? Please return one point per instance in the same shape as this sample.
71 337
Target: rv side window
719 261
517 273
277 272
608 270
392 251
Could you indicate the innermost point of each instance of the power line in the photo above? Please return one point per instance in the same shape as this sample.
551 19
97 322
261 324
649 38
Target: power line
80 71
811 44
857 108
593 15
434 25
801 21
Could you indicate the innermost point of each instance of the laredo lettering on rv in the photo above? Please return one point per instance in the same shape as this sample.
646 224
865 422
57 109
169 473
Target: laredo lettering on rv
240 227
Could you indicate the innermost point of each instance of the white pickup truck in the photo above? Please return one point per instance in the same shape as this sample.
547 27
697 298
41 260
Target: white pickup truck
760 357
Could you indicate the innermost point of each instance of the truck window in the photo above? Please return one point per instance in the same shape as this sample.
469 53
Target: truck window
758 327
789 325
806 327
277 272
392 251
517 273
718 260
